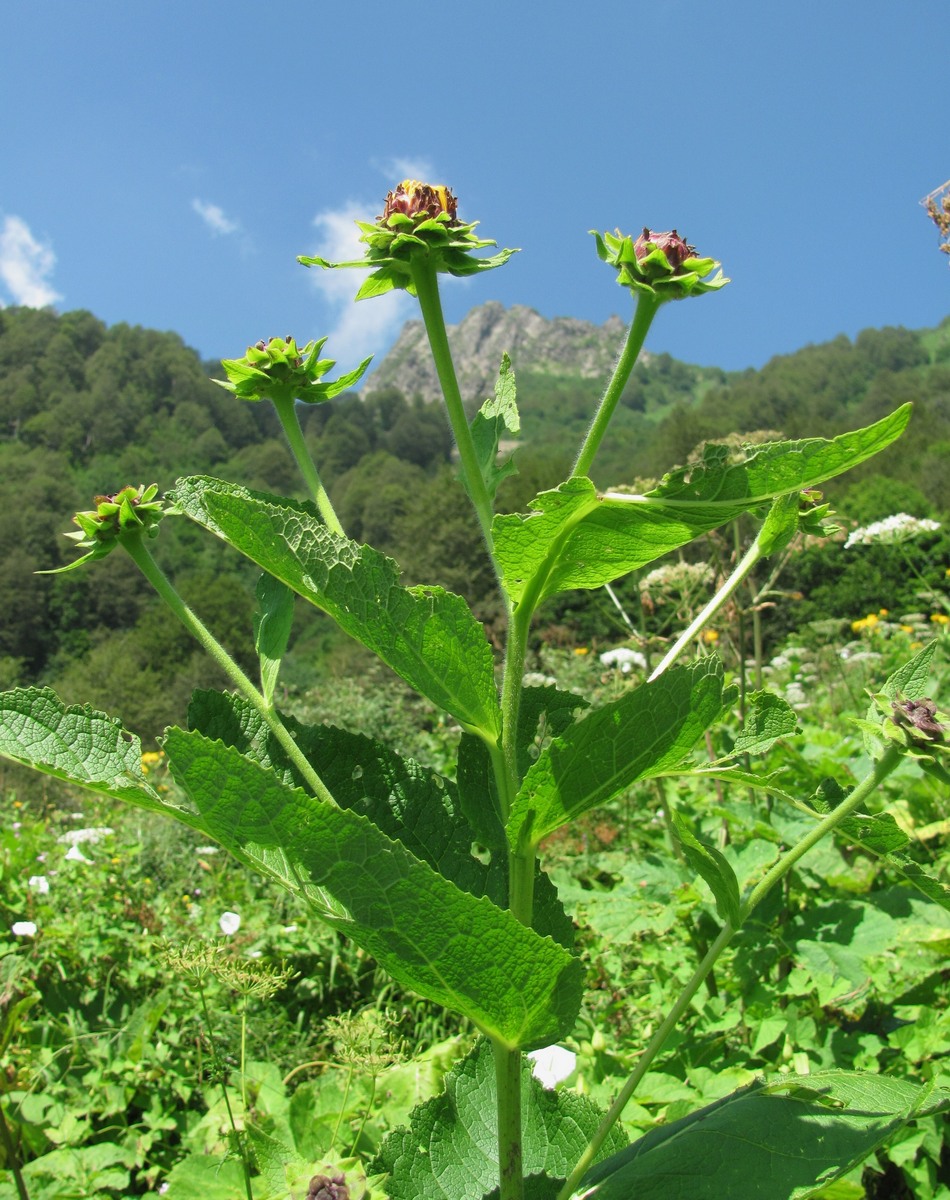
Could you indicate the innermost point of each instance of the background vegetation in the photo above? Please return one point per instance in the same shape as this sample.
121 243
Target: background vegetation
112 1083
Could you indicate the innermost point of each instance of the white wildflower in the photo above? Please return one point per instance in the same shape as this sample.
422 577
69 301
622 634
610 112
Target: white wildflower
552 1065
77 837
230 923
24 928
624 658
74 854
900 527
39 883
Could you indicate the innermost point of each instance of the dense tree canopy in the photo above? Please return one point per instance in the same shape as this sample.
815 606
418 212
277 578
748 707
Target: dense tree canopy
86 409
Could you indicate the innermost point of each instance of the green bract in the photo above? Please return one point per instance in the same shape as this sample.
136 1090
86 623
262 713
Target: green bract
661 265
277 370
418 221
100 529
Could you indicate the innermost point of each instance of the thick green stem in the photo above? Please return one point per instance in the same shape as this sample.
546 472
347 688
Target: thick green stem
426 283
643 316
138 552
508 1088
287 413
882 768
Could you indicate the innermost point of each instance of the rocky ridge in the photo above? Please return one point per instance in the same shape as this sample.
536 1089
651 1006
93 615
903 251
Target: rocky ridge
557 346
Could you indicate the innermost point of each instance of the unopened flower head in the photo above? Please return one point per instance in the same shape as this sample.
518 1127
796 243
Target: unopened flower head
129 511
279 371
418 227
660 264
414 199
897 528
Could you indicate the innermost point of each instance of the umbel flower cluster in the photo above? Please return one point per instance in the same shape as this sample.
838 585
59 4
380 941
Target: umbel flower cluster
901 527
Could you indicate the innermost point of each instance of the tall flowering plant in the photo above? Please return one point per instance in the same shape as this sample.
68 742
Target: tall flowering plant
442 879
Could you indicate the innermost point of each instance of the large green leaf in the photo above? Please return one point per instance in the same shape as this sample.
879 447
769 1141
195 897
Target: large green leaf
781 1141
574 539
711 865
427 635
645 733
408 802
81 746
459 950
450 1150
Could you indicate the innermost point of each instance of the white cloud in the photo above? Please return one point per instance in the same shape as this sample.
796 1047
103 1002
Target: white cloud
214 217
25 265
398 169
371 325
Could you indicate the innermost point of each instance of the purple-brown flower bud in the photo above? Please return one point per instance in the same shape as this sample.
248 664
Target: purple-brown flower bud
414 199
671 244
658 264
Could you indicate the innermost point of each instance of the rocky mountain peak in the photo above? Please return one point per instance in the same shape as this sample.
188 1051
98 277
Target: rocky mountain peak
555 346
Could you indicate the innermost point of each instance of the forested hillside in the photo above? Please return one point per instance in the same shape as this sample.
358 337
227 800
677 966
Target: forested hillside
86 409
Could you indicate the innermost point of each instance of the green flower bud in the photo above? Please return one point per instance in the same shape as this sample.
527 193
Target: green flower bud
277 370
418 220
662 265
101 529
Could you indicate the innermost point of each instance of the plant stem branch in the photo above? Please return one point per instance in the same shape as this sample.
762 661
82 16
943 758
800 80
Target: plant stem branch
652 1049
286 410
887 763
749 559
884 766
133 543
644 313
426 282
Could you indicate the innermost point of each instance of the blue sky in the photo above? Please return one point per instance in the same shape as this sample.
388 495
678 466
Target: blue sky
164 162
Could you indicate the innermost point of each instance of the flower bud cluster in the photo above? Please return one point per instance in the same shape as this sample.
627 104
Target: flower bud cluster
131 510
279 371
419 222
659 264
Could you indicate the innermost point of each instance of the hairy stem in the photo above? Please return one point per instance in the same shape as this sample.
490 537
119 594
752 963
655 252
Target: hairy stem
286 410
508 1088
138 551
636 335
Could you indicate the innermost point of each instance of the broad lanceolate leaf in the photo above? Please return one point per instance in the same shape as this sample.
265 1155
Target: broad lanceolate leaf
767 719
80 745
711 865
456 949
575 539
646 733
272 624
781 1141
408 802
495 418
450 1151
427 635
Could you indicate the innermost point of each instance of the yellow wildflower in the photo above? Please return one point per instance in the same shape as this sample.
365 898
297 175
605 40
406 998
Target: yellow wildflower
581 650
710 636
